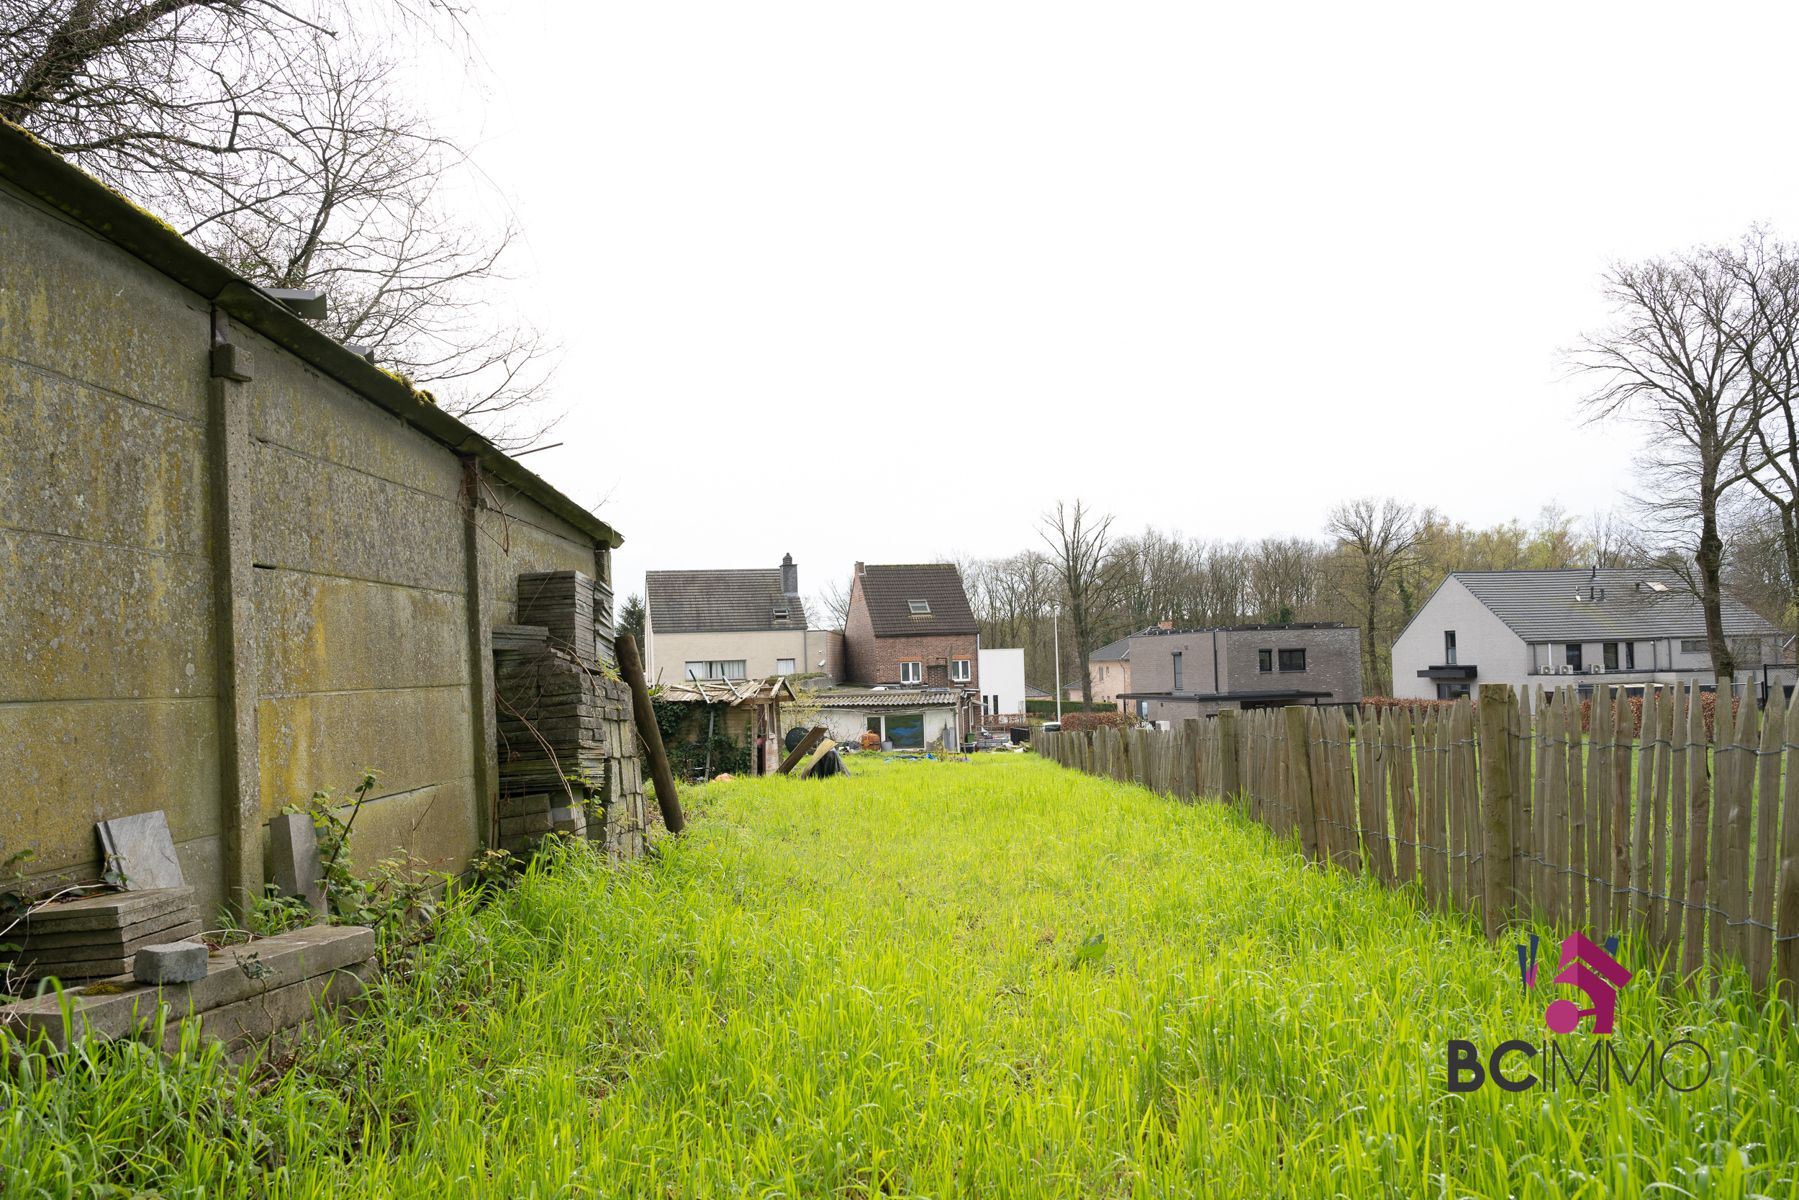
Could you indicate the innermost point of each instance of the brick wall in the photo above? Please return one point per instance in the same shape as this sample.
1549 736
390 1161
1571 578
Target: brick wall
879 659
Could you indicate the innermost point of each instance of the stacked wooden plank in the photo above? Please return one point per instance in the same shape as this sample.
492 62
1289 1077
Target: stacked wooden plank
96 936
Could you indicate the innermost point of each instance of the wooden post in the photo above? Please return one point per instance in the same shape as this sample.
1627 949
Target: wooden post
631 667
1699 807
1499 901
1404 764
1645 796
1599 796
1786 908
1299 777
1558 884
1730 840
1776 735
1230 760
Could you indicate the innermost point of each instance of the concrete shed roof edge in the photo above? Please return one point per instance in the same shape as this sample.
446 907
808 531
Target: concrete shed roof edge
40 172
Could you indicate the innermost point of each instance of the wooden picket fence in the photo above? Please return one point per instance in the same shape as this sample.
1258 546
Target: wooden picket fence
1510 810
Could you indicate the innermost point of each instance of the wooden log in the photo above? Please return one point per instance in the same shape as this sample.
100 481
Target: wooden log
630 665
1666 707
1497 763
1455 813
1777 734
1699 802
815 735
1577 815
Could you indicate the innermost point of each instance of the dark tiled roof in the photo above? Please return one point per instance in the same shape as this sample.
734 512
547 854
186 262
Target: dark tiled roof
887 698
1118 651
719 601
889 592
1541 606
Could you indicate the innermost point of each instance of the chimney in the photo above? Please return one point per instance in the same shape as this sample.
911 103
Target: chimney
861 569
790 576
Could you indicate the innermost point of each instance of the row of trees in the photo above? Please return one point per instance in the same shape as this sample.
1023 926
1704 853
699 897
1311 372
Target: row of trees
1375 565
1702 352
282 139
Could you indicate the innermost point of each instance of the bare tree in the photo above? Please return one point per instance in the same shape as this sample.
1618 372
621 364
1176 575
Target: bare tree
1673 361
1767 272
1080 545
292 155
1377 539
354 208
829 607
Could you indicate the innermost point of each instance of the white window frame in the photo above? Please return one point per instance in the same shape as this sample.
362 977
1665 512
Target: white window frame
912 671
716 668
961 670
919 608
784 666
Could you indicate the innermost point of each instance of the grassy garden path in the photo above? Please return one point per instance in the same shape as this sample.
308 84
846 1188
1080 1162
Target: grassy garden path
994 978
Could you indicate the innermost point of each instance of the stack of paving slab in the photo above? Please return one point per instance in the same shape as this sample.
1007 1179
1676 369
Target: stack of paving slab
96 936
249 995
567 751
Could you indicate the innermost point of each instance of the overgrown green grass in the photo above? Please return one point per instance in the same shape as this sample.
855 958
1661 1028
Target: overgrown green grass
995 978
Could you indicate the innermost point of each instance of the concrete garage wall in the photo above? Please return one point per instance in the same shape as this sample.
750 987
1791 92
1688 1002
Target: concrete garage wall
218 596
108 660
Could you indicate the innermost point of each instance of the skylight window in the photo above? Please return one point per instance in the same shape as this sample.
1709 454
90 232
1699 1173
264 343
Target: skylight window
919 607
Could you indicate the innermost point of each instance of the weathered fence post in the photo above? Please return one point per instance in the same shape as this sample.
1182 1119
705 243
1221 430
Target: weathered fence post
1299 776
1499 903
1230 765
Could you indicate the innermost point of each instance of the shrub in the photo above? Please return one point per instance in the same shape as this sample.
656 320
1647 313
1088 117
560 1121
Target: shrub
1110 719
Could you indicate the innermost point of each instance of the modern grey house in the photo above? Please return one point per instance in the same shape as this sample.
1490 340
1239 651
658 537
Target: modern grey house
1178 673
1621 626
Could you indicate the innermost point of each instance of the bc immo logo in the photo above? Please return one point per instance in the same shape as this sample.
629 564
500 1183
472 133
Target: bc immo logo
1594 971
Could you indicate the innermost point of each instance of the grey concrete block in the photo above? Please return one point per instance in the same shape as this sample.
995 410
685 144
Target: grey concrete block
294 866
140 852
173 962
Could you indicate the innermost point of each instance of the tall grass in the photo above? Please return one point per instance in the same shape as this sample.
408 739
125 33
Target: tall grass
995 978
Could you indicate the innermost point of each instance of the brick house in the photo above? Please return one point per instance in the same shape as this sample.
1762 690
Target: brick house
911 626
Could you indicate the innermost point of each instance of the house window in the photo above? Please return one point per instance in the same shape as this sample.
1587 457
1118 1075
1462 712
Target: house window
1293 660
717 668
1608 652
1694 646
1630 656
911 672
959 670
1264 660
1453 691
1449 647
919 607
783 666
1573 655
1177 670
905 731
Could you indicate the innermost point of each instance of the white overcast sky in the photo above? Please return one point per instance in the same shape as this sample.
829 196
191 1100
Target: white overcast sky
886 281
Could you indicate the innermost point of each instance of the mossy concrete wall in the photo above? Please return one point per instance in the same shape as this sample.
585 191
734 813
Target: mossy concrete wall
218 597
